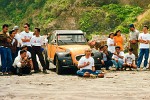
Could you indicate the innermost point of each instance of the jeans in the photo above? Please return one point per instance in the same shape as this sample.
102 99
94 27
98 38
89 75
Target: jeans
145 53
118 64
107 64
6 58
81 72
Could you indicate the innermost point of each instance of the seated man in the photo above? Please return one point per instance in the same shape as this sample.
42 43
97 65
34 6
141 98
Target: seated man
22 63
86 65
117 58
107 57
129 60
28 54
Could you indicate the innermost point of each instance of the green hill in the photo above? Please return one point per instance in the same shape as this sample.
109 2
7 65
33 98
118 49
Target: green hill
91 16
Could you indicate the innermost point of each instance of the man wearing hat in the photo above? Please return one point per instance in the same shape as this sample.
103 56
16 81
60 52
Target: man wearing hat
133 39
18 37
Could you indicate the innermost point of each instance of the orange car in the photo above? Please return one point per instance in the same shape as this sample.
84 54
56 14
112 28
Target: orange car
65 48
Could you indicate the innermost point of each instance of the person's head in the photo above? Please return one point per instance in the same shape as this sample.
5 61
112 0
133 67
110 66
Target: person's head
145 29
111 35
36 31
101 48
12 33
131 27
5 28
24 47
117 48
23 53
88 52
117 33
105 47
26 27
16 28
130 50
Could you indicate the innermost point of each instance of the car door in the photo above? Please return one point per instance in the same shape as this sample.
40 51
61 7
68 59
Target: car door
52 45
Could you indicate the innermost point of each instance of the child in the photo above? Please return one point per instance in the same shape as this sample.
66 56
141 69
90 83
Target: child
129 60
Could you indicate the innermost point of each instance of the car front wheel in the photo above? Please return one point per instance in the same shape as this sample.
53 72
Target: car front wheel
58 67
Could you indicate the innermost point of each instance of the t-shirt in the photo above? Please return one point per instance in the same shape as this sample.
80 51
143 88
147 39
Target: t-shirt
120 54
144 37
18 37
25 35
119 41
85 60
129 58
110 48
36 41
133 35
104 57
17 61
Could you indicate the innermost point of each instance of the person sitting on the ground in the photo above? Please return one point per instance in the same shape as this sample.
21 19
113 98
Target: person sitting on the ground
22 63
129 60
117 58
86 65
28 54
107 57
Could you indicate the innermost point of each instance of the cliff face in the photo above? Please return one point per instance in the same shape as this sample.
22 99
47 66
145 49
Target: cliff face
91 16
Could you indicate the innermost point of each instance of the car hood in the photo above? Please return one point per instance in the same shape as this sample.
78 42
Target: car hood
75 50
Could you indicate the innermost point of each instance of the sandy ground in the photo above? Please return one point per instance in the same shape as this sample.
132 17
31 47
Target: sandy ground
117 85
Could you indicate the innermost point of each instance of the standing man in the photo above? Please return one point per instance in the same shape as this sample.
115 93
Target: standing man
37 42
18 37
14 43
26 35
5 51
133 40
144 39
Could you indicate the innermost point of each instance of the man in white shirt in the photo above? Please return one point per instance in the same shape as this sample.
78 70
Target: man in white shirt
144 39
86 65
37 42
117 58
18 37
22 64
26 35
129 60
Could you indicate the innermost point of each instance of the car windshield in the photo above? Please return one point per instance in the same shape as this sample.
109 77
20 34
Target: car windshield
71 39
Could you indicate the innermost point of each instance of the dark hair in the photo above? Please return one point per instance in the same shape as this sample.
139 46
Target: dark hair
131 26
38 29
27 24
5 25
110 34
22 51
101 47
146 26
131 49
106 45
116 32
117 47
10 32
24 46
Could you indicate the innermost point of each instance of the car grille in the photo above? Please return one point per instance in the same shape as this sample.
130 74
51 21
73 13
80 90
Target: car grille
79 57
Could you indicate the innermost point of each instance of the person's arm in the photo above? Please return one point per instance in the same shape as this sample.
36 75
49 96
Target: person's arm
83 65
93 68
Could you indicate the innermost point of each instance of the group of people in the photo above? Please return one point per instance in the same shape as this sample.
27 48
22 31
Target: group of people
113 53
18 50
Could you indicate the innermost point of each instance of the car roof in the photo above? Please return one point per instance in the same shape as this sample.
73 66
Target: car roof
68 32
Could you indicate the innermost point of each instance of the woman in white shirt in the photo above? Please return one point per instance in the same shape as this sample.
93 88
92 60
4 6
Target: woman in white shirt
111 43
